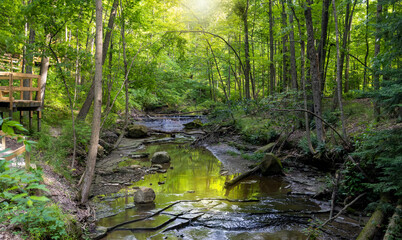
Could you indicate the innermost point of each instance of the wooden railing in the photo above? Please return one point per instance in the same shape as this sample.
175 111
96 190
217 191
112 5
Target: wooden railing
15 90
10 154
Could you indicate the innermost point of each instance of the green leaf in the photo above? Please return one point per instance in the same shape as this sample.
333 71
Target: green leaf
29 202
39 198
19 196
38 186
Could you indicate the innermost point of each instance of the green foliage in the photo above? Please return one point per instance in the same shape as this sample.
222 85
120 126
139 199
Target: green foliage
380 154
24 205
303 143
255 157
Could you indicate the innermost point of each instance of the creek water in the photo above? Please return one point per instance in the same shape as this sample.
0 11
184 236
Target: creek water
193 203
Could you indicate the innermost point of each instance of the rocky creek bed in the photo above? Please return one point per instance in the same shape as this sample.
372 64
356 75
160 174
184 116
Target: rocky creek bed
192 201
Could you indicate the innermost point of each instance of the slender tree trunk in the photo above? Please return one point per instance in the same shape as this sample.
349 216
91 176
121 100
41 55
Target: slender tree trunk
338 71
293 68
90 97
247 66
323 43
271 50
44 67
376 76
348 24
367 47
110 66
93 147
284 49
314 71
303 82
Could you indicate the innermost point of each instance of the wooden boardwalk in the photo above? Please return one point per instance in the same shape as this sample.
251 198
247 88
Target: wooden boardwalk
14 96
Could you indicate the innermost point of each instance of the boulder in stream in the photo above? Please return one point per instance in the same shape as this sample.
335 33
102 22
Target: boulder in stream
160 157
144 195
270 165
194 124
136 131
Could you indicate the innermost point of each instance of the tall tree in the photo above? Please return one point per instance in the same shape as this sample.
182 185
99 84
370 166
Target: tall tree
293 68
323 40
377 46
90 96
338 70
93 147
314 71
271 50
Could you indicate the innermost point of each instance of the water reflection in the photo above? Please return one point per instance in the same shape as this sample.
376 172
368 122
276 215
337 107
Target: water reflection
195 174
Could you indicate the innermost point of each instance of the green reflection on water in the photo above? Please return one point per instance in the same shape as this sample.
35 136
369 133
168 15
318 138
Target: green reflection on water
194 173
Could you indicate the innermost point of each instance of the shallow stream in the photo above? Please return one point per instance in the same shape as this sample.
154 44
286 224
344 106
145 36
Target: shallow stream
193 203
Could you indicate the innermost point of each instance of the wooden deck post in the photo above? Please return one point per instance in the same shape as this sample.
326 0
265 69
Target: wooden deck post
21 117
30 119
39 120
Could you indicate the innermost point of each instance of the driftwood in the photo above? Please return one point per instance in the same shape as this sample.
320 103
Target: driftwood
270 165
242 176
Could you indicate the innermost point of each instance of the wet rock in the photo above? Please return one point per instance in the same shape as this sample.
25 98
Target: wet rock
160 157
190 191
271 165
161 183
136 131
194 124
99 232
144 195
135 166
139 155
158 166
161 170
109 137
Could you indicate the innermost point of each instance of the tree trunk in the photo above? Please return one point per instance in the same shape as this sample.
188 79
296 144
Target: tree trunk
293 68
29 61
90 96
367 48
348 24
271 50
247 66
323 40
314 71
284 49
93 147
376 76
303 82
44 67
338 71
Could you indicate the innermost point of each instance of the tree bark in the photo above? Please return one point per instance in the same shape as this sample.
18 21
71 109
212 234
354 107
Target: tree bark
303 82
339 71
44 67
367 48
323 40
247 66
314 71
271 50
284 49
93 147
293 68
376 76
90 96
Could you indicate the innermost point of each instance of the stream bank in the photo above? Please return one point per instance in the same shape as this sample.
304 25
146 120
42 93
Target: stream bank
192 202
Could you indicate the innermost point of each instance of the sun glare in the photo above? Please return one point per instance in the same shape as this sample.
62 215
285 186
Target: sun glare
202 5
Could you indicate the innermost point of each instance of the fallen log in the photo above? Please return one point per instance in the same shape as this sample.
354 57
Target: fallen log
270 165
392 232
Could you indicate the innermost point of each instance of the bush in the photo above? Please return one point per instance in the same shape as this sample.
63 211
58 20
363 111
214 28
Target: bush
380 153
23 204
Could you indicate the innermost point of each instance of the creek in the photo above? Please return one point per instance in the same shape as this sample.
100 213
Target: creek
193 203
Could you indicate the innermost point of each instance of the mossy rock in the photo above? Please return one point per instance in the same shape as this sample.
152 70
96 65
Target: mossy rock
271 165
136 131
194 124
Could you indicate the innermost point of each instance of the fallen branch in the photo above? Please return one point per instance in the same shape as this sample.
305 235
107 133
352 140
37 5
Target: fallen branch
393 225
